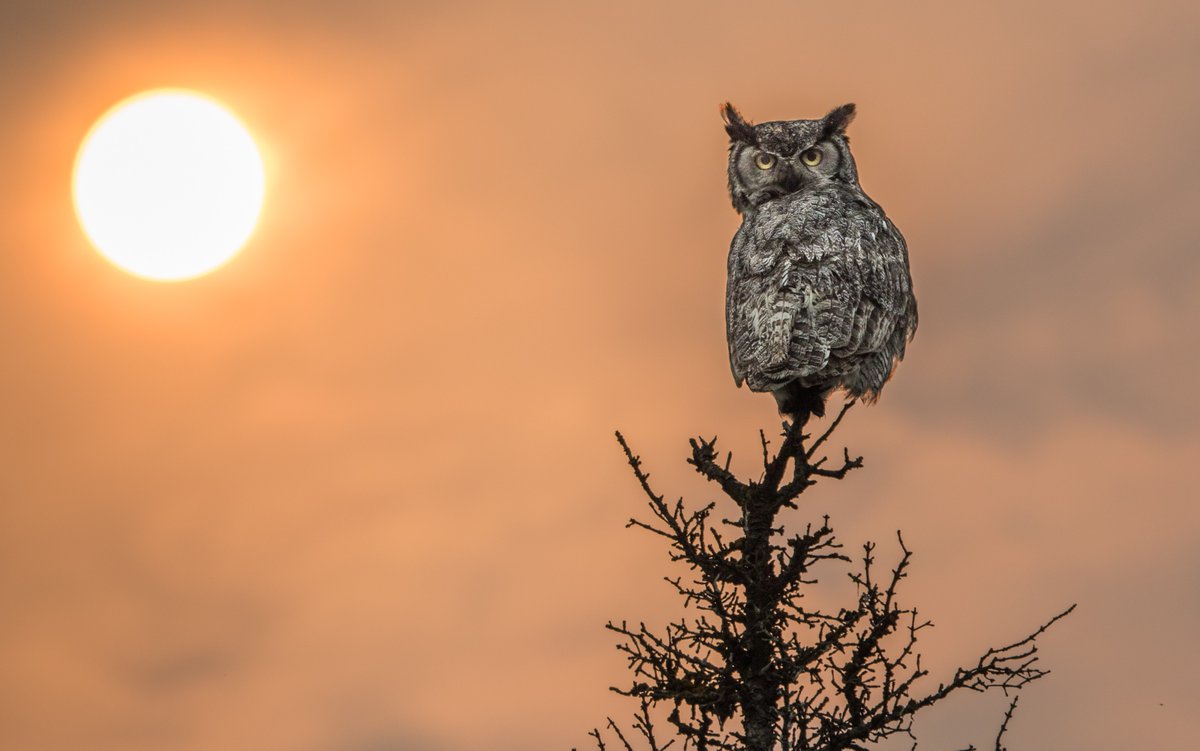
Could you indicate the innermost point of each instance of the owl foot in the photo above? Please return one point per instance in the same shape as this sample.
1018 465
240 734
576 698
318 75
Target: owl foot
800 402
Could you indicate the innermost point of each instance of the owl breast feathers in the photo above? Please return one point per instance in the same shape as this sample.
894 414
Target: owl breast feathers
819 293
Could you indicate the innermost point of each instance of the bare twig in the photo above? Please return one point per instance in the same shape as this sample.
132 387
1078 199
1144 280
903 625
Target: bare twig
1008 715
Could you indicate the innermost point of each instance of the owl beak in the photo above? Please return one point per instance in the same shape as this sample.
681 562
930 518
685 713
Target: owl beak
789 184
792 182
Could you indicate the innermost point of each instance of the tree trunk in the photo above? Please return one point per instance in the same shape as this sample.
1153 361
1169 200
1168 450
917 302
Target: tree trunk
760 700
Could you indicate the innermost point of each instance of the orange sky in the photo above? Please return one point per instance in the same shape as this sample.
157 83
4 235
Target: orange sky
357 491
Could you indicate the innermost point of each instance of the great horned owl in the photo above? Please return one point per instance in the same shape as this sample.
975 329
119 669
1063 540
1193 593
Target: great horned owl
819 292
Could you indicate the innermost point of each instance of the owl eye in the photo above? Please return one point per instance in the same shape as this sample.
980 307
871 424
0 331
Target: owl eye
812 157
764 161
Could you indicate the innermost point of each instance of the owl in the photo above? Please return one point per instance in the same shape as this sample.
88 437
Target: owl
819 293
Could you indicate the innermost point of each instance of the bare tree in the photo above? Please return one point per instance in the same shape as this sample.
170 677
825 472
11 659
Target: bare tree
752 667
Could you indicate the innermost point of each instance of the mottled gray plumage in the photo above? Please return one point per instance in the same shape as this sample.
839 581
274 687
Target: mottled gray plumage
819 293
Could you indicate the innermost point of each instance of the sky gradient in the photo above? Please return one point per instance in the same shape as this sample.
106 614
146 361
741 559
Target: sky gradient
357 490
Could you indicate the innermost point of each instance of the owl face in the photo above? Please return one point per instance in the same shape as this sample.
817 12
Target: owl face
775 159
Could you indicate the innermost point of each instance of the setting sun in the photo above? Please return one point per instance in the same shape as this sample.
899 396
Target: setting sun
168 185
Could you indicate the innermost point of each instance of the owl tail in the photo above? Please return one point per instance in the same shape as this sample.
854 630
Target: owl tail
801 402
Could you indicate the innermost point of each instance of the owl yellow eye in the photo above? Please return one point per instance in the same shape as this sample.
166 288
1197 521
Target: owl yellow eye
764 161
812 157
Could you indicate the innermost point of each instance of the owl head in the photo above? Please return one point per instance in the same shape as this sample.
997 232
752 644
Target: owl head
774 159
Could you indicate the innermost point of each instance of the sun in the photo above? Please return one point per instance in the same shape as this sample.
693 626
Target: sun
168 185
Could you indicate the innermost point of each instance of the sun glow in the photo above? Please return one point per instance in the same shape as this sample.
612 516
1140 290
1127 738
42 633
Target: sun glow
168 185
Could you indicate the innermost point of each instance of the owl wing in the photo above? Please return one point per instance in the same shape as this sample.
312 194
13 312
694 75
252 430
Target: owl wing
814 281
768 280
882 312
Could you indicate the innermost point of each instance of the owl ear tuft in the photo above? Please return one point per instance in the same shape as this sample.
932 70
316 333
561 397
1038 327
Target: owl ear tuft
737 128
837 120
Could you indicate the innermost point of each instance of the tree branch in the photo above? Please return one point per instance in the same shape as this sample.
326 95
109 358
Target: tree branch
755 669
